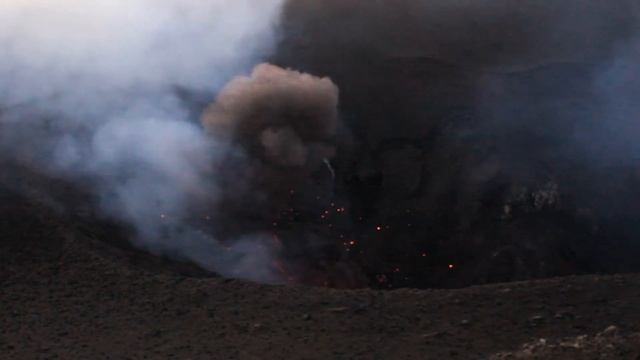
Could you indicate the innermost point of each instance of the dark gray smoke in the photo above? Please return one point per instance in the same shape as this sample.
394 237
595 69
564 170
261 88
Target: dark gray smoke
498 136
89 90
504 34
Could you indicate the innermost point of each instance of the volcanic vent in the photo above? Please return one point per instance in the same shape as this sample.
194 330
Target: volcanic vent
369 147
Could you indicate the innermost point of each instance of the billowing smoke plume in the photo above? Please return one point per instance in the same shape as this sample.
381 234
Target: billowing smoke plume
102 92
285 124
284 117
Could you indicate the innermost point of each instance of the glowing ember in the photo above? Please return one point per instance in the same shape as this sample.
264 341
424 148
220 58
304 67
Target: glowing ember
280 267
276 240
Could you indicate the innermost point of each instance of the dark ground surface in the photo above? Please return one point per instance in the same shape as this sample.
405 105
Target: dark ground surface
67 293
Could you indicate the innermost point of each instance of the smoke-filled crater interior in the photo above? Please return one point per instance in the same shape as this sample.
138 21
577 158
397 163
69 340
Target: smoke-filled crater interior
335 143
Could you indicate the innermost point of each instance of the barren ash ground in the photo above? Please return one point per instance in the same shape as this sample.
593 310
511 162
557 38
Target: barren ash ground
319 179
66 294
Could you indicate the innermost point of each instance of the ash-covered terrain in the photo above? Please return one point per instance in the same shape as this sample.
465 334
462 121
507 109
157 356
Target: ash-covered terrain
319 152
66 294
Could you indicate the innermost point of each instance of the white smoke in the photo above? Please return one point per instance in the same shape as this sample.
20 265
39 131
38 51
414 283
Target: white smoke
142 43
88 89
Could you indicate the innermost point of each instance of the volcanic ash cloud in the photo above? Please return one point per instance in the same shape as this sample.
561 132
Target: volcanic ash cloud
284 118
283 125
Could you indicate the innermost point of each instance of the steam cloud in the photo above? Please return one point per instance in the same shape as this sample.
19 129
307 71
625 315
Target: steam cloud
91 90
